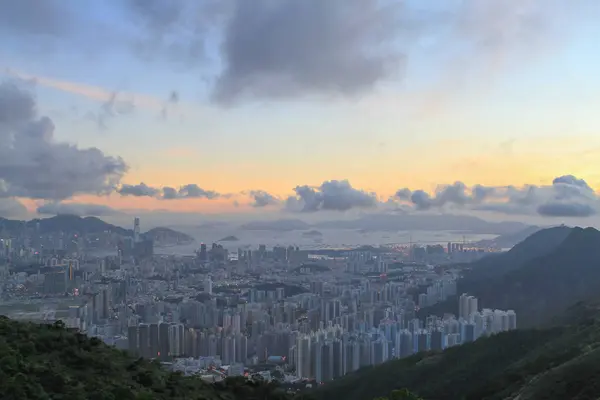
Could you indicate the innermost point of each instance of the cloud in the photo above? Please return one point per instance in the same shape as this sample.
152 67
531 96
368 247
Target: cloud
174 30
140 190
79 209
566 210
289 47
263 199
12 207
32 17
332 196
113 107
190 191
567 196
34 165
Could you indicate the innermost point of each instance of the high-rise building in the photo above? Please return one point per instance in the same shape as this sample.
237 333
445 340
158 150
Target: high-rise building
154 341
132 339
144 340
136 230
303 357
208 285
467 305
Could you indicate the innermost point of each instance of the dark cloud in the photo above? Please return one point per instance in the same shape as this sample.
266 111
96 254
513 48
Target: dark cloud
141 190
34 165
289 47
174 30
331 195
567 196
190 191
80 209
263 199
37 18
566 210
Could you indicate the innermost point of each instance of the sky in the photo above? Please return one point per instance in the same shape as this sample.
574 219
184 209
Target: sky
304 107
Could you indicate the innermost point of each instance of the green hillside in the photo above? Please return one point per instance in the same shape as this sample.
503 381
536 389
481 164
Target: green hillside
48 362
553 364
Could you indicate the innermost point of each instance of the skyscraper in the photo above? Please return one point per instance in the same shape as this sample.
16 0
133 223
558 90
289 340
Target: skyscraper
136 230
208 285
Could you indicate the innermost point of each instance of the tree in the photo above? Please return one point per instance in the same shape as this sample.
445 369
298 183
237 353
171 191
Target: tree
402 394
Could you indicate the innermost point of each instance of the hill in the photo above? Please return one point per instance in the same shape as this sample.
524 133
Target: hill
508 240
83 226
167 237
49 362
229 239
547 285
61 223
552 364
517 279
536 245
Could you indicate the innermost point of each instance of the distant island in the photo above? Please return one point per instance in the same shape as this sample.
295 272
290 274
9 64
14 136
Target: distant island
229 239
312 234
168 237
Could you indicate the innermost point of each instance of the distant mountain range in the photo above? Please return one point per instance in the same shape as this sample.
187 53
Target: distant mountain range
508 240
539 278
229 239
403 222
87 225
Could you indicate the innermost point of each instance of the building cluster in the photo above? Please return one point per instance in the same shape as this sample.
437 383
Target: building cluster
285 313
333 351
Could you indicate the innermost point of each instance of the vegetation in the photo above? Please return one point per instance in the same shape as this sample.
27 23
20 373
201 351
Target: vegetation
50 362
553 364
402 394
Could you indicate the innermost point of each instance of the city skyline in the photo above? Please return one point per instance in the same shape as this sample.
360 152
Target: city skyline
369 111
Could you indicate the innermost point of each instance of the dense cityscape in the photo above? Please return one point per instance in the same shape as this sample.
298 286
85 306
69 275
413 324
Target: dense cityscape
290 315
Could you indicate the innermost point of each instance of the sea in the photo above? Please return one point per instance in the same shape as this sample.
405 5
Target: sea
318 239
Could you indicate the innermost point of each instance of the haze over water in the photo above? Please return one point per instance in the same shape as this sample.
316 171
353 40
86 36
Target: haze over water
331 238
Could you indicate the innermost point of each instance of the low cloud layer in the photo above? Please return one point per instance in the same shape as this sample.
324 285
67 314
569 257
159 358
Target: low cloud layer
190 191
79 209
330 196
567 196
35 165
